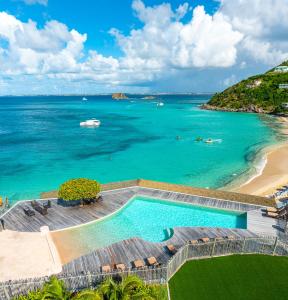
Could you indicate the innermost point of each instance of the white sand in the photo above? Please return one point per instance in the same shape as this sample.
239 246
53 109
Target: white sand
27 255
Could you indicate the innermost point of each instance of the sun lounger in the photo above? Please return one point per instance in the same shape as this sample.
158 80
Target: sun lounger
34 204
138 264
43 211
120 267
152 261
229 237
47 204
171 248
193 242
106 269
271 209
204 240
28 212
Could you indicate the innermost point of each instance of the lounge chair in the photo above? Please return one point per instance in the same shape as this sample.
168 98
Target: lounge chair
204 240
28 212
281 214
120 267
274 209
152 261
43 211
193 242
138 264
47 204
106 269
229 237
171 248
34 204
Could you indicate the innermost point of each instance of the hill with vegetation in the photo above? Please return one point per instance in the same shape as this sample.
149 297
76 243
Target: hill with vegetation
265 93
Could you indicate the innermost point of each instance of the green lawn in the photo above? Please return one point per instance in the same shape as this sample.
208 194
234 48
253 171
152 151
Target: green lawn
232 277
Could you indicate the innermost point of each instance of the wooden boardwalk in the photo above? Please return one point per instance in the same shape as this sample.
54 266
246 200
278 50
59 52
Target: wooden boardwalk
129 250
60 217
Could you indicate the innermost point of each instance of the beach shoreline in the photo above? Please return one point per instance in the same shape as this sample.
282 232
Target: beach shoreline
271 168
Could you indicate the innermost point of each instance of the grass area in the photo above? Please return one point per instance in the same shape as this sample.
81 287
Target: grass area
232 277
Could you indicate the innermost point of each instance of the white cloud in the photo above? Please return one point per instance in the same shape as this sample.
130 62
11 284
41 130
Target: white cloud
240 35
31 2
164 41
264 24
36 51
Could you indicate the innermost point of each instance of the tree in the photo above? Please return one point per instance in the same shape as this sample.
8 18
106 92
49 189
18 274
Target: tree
80 190
55 290
88 295
131 287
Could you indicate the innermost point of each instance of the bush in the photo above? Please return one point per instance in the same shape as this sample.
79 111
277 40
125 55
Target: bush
79 190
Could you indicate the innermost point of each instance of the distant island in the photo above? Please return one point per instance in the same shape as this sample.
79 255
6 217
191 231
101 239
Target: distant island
119 96
265 93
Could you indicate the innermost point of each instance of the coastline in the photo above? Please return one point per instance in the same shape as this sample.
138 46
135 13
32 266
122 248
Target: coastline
272 169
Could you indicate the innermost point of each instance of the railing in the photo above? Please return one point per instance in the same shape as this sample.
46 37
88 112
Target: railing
162 274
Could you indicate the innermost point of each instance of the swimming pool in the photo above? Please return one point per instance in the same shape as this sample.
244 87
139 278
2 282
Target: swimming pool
151 220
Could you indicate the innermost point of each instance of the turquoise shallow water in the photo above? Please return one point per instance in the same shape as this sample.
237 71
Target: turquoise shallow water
42 144
149 219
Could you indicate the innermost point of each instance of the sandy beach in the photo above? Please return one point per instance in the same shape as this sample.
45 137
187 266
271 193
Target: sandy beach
275 172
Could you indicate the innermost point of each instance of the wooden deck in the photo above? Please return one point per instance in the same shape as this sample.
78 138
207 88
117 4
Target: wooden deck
129 250
60 217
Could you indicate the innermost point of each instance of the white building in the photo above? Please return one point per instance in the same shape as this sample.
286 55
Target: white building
281 69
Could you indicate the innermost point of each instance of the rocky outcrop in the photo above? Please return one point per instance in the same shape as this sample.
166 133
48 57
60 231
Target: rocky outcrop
251 108
119 96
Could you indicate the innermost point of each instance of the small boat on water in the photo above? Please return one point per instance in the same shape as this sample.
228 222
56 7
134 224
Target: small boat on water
160 104
209 141
84 99
91 123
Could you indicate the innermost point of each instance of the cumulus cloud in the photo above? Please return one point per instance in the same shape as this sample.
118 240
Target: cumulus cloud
165 41
31 2
31 50
263 23
168 43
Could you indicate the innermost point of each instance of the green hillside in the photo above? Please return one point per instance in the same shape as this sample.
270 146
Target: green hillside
260 93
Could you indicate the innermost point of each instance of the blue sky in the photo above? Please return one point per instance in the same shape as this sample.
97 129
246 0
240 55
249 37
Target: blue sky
52 46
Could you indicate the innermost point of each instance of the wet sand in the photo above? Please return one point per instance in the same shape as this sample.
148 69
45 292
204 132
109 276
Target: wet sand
273 176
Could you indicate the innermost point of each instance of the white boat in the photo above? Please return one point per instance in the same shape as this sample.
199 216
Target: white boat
91 123
84 99
160 104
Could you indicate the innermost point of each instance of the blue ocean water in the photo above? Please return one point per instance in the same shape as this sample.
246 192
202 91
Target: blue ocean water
148 219
42 144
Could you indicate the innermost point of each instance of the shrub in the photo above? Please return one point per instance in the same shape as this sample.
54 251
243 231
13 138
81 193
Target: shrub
80 189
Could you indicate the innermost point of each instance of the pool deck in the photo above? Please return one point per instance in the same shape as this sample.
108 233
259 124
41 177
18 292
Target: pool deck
60 217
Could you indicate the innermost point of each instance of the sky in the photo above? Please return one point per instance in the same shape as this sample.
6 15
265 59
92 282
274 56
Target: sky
137 46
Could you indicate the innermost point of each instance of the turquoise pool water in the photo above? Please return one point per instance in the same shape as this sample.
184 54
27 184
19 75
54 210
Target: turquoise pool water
149 219
42 144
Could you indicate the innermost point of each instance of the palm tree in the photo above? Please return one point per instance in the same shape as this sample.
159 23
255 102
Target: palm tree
87 295
131 287
56 290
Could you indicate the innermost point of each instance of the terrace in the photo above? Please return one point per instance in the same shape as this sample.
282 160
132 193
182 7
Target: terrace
114 197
